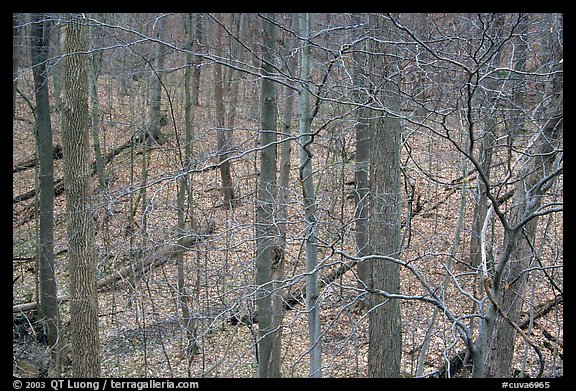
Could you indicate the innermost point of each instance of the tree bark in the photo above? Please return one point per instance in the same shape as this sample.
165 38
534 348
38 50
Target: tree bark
222 133
46 273
305 141
185 215
199 42
278 302
16 42
155 113
95 66
510 277
384 321
265 230
80 225
361 167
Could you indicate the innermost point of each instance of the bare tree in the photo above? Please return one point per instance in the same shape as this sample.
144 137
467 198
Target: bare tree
306 178
41 26
265 232
84 329
385 324
223 134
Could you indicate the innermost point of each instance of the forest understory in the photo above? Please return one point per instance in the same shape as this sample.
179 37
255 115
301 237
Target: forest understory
135 217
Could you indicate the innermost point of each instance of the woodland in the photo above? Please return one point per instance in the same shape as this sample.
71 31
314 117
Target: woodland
265 195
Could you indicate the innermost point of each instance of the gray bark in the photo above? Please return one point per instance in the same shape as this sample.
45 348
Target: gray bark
155 114
282 215
185 216
361 167
305 143
95 67
16 43
385 324
223 134
47 277
510 278
488 109
80 224
265 230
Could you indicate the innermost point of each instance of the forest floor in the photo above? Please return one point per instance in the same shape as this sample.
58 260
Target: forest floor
141 331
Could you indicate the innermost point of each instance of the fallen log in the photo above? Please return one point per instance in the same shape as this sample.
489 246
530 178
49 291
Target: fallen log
32 305
158 257
59 183
32 162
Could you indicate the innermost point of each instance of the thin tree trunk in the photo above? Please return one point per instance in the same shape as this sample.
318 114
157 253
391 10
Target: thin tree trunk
305 141
282 215
237 54
361 167
155 113
184 208
223 134
95 65
16 43
80 228
488 121
265 230
447 277
47 276
199 42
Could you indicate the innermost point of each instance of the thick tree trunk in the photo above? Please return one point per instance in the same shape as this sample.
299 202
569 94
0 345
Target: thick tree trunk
385 325
80 224
47 277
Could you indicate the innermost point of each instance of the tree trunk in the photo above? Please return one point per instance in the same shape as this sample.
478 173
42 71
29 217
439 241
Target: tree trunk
384 321
510 277
16 43
282 216
47 278
80 224
237 57
265 229
184 208
199 42
223 134
305 141
95 66
541 163
155 113
488 107
361 167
